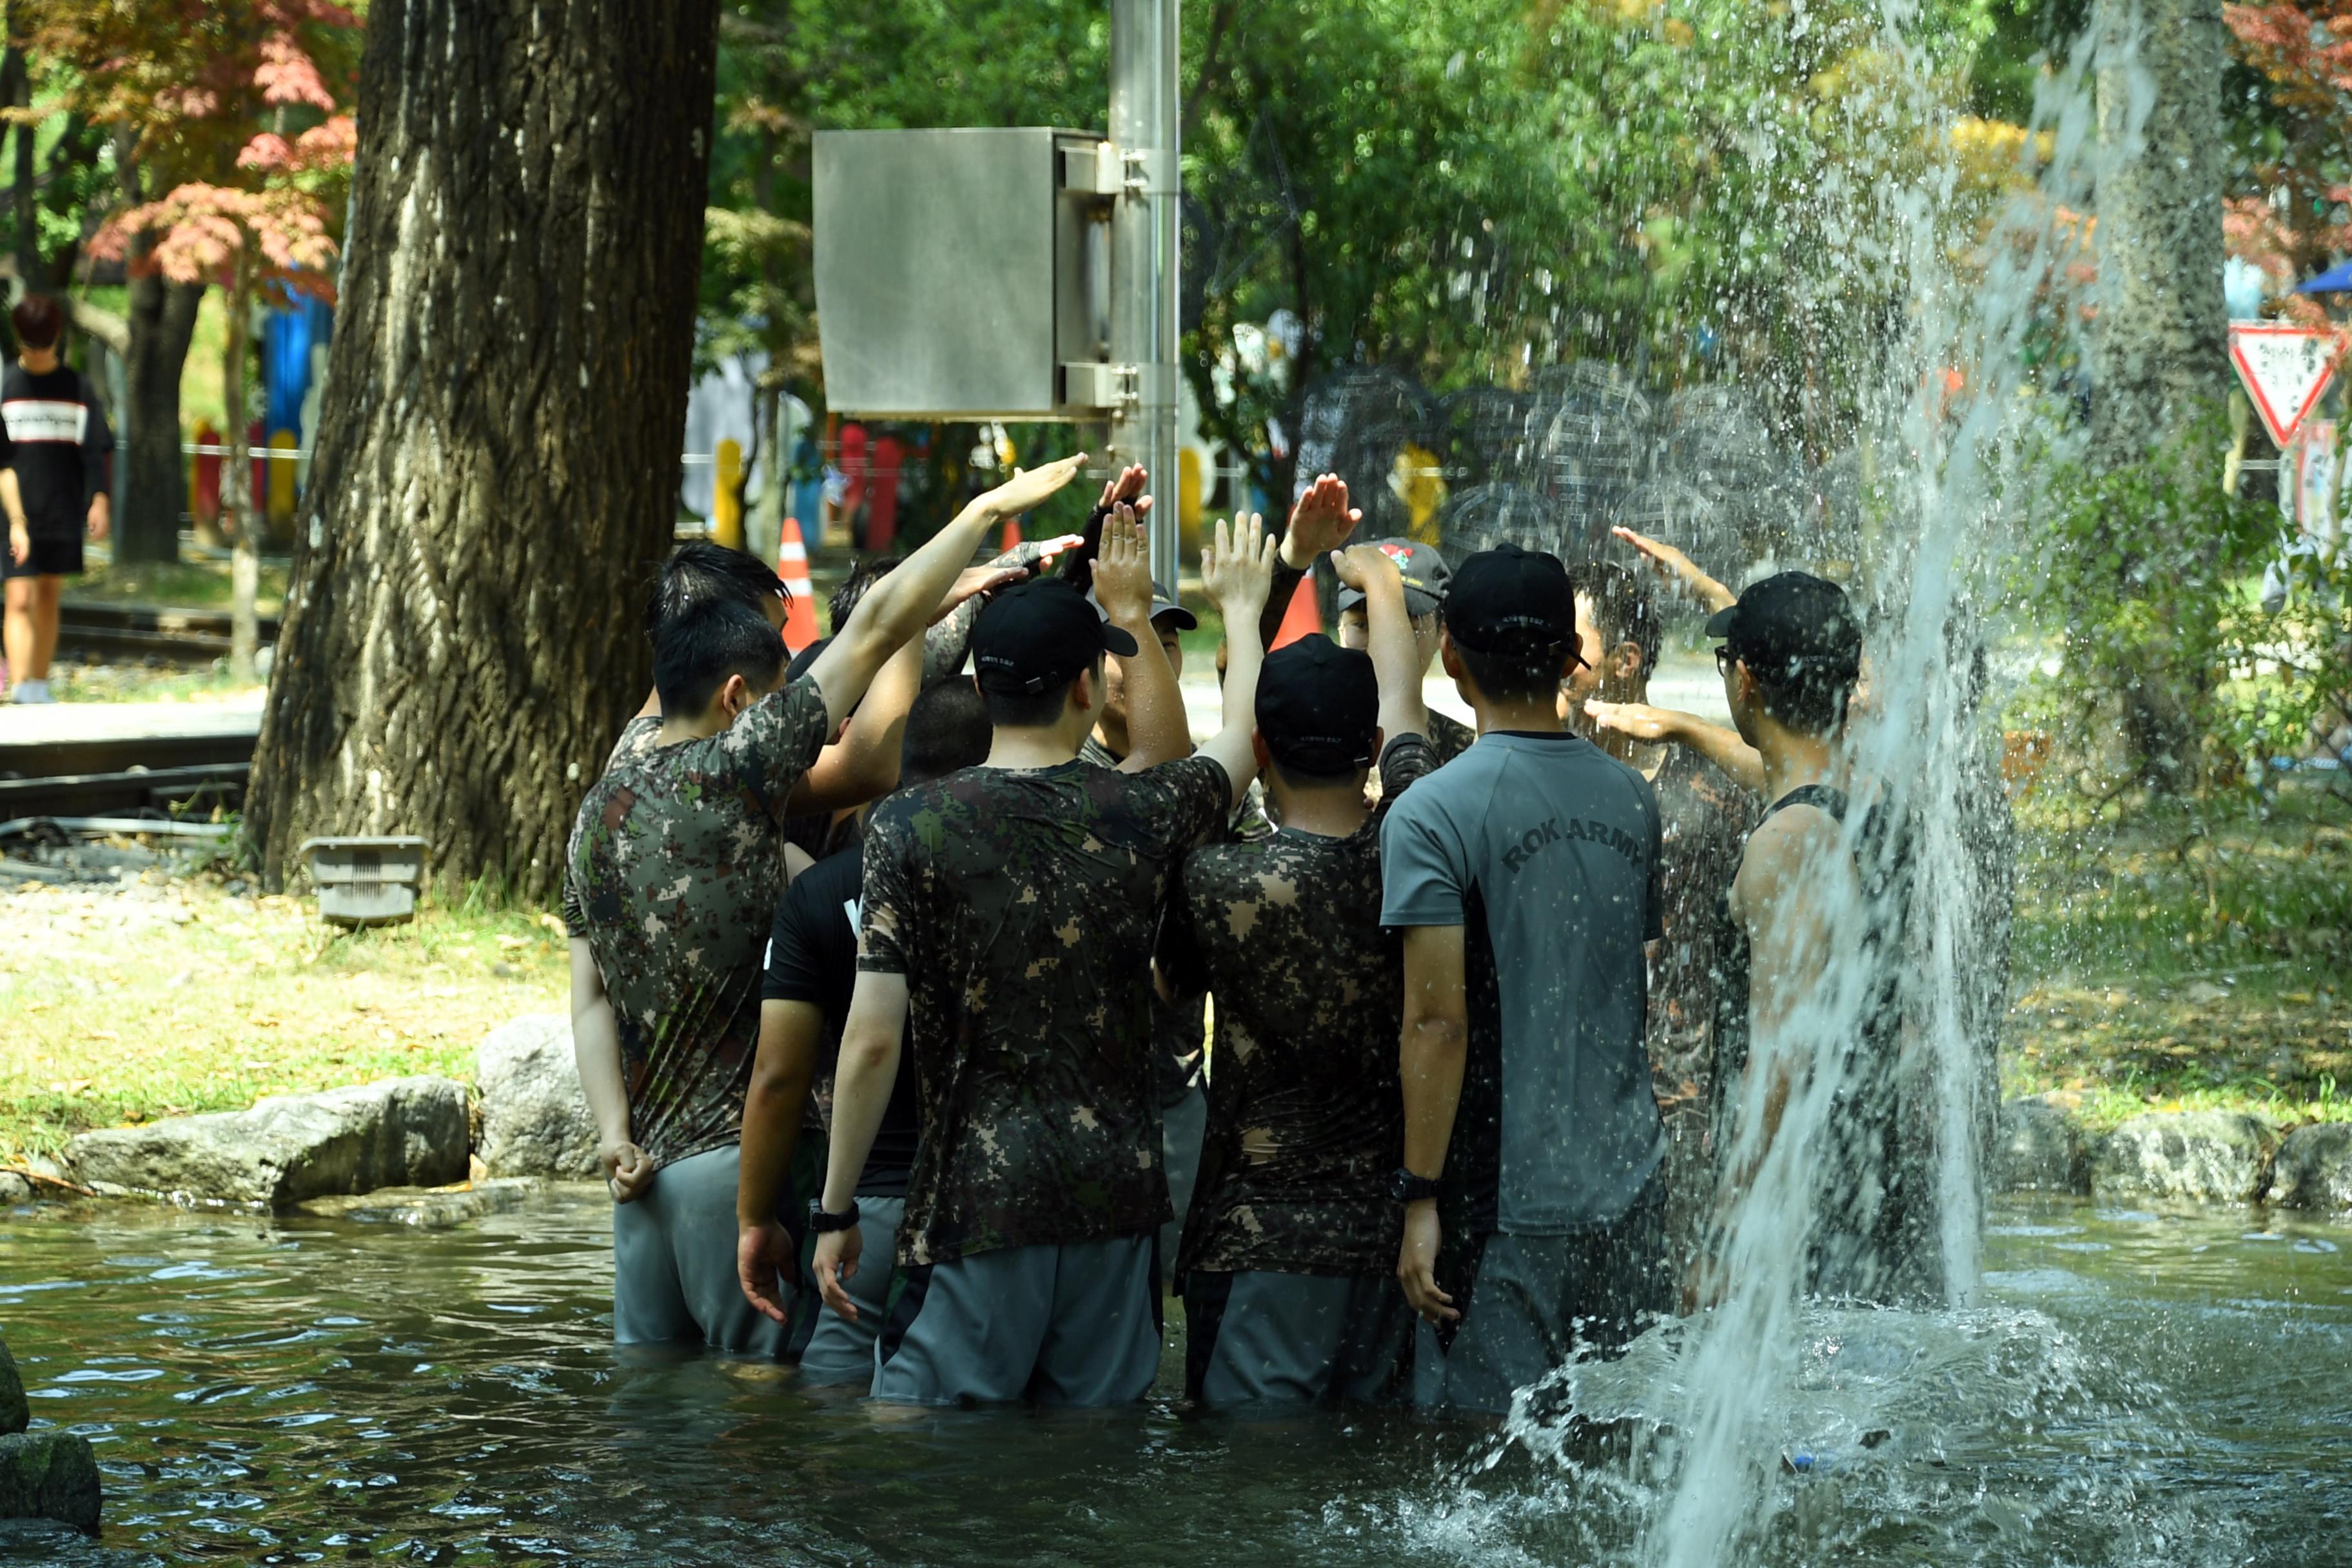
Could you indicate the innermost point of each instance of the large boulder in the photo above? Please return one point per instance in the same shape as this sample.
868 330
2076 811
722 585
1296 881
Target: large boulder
535 1120
2039 1148
2201 1157
394 1132
2314 1170
14 1413
48 1474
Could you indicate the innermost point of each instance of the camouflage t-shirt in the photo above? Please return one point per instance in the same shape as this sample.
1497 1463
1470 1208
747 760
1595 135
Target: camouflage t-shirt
672 875
1449 737
1305 1120
1020 906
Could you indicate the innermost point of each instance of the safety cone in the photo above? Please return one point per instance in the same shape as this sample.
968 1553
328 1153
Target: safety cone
1305 617
1012 540
792 566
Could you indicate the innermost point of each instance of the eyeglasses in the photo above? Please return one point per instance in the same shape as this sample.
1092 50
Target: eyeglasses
1724 660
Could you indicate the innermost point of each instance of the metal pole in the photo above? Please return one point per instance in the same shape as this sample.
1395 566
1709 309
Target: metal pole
1143 325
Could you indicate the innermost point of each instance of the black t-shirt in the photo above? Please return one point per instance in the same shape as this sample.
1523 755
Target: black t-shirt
53 433
813 958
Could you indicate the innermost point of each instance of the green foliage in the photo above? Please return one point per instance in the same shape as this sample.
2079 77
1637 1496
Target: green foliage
2148 584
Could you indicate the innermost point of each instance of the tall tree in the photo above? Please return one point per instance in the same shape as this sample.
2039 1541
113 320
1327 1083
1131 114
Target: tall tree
498 452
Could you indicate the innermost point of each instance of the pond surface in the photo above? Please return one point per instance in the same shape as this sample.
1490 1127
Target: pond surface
2138 1389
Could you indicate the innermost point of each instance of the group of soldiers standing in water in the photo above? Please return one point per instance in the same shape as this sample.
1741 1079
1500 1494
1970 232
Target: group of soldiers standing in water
890 964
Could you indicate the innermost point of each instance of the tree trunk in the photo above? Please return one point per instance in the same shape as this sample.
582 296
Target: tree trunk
2161 345
26 217
155 476
497 468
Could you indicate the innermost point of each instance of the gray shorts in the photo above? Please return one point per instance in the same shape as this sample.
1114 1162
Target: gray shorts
674 1263
1261 1337
1076 1324
840 1351
1533 1301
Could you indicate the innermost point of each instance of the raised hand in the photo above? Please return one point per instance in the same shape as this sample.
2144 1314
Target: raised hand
1028 487
1123 571
1237 568
1635 720
1677 569
1362 567
1321 520
1126 485
977 580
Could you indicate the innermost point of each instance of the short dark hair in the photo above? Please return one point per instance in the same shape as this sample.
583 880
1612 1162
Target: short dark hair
862 576
703 645
1034 710
1807 694
698 572
38 320
948 730
1518 673
1623 607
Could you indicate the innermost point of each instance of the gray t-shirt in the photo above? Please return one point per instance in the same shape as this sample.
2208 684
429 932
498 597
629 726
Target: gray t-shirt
1546 847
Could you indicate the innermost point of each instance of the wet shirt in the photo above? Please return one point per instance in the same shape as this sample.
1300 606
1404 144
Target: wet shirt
1545 850
1021 905
1449 738
813 958
1304 1121
53 432
672 876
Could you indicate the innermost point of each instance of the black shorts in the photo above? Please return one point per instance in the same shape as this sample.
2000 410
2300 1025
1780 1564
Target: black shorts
57 556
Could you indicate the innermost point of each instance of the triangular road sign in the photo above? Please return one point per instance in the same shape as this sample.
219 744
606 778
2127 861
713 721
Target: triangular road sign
2285 369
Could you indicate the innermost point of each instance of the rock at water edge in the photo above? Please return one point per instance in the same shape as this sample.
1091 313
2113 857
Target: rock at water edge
48 1474
396 1132
2039 1148
2200 1156
14 1413
535 1120
430 1209
2315 1168
13 1188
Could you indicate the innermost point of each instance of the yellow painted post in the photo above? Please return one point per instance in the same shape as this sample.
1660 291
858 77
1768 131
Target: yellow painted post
727 494
282 447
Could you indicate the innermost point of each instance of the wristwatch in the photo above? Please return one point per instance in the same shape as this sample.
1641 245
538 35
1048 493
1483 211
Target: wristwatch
1404 1187
824 1223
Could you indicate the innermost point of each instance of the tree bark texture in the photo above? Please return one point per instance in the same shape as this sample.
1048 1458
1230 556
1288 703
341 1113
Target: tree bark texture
498 452
155 476
2161 346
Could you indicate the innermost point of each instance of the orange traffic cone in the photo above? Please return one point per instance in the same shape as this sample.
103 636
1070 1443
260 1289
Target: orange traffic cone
1305 617
792 566
1012 540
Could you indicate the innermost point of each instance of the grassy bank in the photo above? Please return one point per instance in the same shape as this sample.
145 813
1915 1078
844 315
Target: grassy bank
163 998
180 585
2180 959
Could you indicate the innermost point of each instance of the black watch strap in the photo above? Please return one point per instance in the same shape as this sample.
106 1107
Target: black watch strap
1404 1187
824 1223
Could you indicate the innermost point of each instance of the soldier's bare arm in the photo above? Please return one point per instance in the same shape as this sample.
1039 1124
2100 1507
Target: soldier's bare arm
861 1092
1431 1050
1156 728
596 1049
1237 571
789 1035
1396 658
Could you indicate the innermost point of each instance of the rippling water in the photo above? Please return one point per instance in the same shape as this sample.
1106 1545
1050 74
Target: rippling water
2140 1389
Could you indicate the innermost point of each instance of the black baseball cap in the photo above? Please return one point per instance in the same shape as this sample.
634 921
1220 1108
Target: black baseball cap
1318 706
1790 621
1507 599
1036 635
1163 603
1424 570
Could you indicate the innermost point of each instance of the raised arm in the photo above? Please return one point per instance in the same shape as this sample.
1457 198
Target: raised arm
863 764
1157 729
1718 744
901 604
1678 569
1237 570
1321 522
1396 658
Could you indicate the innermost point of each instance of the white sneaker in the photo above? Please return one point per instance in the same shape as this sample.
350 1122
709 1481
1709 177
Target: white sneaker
31 691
